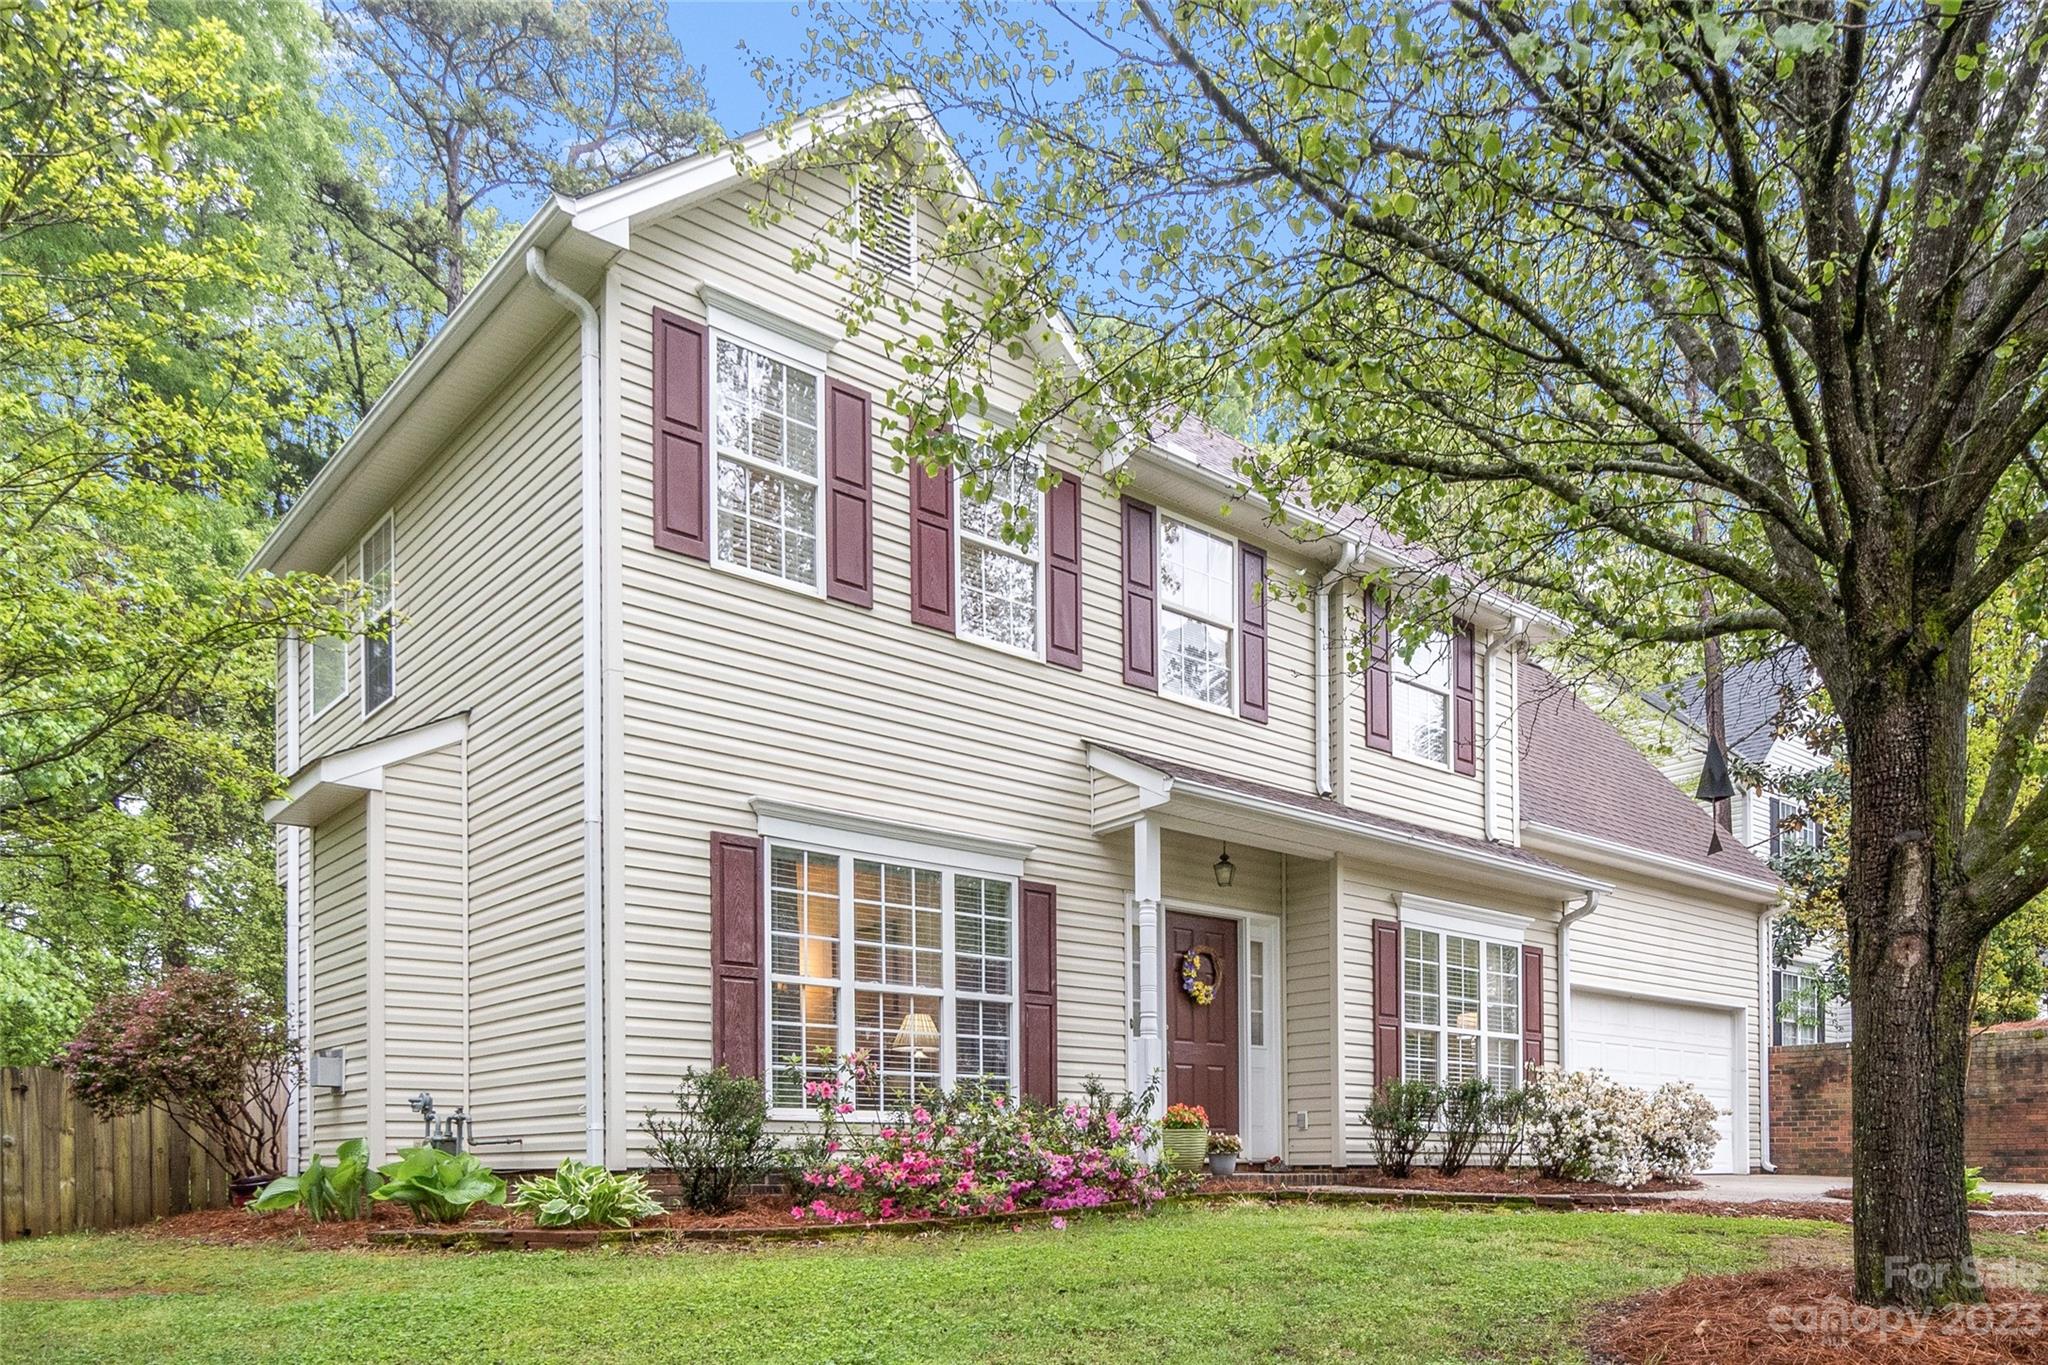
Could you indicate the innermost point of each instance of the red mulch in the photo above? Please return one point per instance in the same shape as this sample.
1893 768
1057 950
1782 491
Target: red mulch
239 1227
1807 1316
1471 1180
2000 1203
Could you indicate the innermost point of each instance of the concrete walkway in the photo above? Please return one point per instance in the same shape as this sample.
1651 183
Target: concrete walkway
1751 1189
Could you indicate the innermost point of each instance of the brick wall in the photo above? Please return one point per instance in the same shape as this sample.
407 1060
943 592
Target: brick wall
2005 1122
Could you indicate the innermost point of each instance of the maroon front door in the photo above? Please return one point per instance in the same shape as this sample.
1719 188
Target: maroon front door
1201 1040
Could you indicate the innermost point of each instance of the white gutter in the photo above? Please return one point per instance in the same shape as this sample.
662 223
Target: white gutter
1695 875
1564 976
592 543
1763 957
1325 783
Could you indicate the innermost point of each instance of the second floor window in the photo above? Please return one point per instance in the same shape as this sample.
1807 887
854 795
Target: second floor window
1422 702
1800 1005
999 578
1790 828
1197 613
380 647
766 443
327 662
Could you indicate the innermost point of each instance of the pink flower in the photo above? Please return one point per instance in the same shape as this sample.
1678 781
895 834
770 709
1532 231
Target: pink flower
1059 1223
797 1212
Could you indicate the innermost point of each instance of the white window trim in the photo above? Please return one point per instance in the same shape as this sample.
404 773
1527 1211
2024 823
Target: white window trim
1398 668
961 534
314 710
750 324
846 842
1488 927
390 607
1231 627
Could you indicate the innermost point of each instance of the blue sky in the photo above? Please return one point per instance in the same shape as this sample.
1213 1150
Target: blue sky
712 33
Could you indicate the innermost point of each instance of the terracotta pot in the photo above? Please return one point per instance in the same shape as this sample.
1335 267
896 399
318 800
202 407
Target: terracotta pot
1187 1149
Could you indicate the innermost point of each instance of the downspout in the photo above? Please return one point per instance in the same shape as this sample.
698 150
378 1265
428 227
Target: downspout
1345 561
1564 976
1496 726
294 1153
1763 984
592 551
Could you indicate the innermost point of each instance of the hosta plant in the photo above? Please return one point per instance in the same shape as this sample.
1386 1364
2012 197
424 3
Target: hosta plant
582 1195
438 1186
323 1192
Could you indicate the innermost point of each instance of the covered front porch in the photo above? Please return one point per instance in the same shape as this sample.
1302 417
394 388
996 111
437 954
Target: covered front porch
1266 953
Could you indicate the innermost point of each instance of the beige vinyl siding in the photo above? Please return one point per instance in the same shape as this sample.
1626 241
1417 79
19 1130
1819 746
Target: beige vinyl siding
1650 938
1367 893
489 599
341 958
425 1019
733 688
1309 1087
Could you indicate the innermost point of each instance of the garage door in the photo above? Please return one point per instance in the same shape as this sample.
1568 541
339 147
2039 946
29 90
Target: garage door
1645 1043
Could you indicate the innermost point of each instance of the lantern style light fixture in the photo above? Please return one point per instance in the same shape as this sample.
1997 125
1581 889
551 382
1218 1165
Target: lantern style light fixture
1715 785
1226 872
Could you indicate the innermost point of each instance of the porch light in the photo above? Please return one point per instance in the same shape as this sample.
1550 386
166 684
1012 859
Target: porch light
1225 872
917 1034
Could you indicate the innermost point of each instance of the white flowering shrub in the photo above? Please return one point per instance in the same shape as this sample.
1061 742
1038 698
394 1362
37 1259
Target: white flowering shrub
1584 1125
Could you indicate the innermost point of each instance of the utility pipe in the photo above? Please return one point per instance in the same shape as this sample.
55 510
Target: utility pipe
1324 783
1763 956
1564 975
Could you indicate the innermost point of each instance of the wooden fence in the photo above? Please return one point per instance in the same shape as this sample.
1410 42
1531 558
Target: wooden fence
62 1168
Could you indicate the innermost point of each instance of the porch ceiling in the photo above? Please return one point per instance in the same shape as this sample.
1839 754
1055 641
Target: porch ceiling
1131 786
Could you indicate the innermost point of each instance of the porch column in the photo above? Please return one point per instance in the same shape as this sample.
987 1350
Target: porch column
1148 1050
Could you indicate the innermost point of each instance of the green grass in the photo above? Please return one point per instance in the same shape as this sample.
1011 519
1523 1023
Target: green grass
1312 1282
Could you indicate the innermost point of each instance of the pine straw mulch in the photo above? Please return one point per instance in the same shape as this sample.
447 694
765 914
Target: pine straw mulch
1471 1180
2000 1203
1807 1316
239 1227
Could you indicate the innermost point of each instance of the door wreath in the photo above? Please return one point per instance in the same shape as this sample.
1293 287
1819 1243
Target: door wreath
1191 982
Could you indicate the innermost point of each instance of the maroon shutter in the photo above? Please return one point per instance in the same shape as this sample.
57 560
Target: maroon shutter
682 426
1251 622
1386 1001
738 1012
1464 701
1532 1006
931 547
1037 991
849 496
1141 596
1379 676
1063 572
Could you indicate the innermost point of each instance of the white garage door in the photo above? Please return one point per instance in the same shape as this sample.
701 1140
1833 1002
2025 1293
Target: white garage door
1645 1043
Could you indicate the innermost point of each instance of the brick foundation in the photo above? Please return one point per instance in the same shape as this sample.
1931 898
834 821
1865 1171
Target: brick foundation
2005 1121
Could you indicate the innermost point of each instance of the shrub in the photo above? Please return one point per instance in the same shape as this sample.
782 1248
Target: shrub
1976 1193
323 1192
1400 1116
973 1150
1680 1129
438 1186
716 1141
582 1195
1507 1113
1585 1126
1185 1116
207 1049
1467 1110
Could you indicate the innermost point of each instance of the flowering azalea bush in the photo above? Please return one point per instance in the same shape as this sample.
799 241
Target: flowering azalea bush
1583 1125
970 1151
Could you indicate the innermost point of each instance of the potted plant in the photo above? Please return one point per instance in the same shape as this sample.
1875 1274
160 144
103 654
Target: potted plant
1185 1135
1223 1153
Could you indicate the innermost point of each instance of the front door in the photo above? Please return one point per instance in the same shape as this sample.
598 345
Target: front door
1201 1046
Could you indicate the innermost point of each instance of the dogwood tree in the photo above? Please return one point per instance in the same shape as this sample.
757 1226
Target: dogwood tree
1631 307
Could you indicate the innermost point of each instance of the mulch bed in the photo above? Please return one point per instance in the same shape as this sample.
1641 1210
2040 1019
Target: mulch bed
239 1227
1471 1180
2000 1203
1804 1316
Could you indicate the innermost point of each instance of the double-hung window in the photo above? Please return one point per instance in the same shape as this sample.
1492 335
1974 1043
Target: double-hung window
1197 613
379 558
1791 827
1000 540
1422 701
327 662
1800 1005
912 964
766 446
1461 1006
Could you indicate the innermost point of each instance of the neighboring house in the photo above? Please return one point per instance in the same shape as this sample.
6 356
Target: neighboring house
707 735
1760 700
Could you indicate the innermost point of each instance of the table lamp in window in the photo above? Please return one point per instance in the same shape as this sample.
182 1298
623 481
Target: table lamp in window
918 1034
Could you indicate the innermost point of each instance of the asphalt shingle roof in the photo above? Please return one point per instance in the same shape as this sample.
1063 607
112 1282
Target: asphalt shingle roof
1758 697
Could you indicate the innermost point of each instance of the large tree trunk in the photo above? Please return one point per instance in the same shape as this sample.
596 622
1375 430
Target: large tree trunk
1910 987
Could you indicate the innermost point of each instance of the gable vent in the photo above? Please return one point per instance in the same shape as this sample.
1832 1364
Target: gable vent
888 231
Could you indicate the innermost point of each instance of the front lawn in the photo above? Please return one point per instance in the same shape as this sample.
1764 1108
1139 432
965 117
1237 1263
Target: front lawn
1307 1281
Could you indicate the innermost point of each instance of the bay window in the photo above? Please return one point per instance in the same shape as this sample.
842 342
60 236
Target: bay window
766 448
999 577
1197 613
912 964
1461 1007
1422 701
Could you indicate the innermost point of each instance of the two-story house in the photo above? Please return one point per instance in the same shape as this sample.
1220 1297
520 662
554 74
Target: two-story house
705 734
